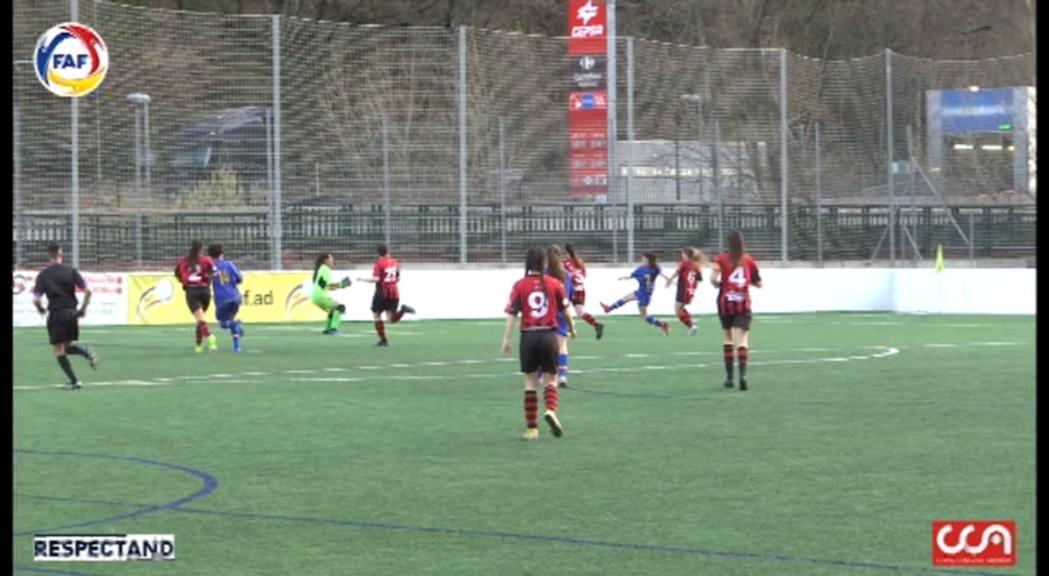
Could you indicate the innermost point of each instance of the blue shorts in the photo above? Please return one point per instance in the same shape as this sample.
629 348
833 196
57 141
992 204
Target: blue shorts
643 298
562 326
226 311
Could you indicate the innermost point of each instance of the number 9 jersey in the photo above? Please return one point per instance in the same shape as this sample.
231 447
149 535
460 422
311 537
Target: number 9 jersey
734 295
538 299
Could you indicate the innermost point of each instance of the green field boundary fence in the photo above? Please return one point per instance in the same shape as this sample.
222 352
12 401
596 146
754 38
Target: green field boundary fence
281 136
351 232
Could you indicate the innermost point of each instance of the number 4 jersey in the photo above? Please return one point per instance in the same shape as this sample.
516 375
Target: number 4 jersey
538 299
734 296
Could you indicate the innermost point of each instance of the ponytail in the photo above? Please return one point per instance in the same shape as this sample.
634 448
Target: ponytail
553 261
534 263
317 265
194 251
575 258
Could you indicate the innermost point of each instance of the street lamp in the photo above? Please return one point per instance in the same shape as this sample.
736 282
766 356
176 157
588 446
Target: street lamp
141 102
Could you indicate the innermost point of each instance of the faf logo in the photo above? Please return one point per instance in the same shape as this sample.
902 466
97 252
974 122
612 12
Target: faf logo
296 297
160 293
994 543
71 60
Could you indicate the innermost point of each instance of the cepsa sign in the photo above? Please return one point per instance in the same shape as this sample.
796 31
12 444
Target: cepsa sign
586 26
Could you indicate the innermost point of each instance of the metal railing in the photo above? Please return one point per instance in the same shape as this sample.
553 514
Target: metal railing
451 144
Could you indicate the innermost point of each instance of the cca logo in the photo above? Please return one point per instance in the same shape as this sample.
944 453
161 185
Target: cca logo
995 544
71 60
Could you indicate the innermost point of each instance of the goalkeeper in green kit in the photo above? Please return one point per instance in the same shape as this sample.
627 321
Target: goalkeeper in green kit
322 285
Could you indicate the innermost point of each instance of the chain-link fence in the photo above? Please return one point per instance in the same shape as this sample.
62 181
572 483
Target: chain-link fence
282 137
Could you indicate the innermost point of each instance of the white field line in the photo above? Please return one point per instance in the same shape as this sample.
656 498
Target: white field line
270 377
267 377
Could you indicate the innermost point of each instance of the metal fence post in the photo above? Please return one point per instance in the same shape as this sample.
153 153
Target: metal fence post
74 144
717 185
386 178
17 150
502 190
462 145
889 152
819 201
630 149
269 158
277 228
972 241
783 153
913 232
147 152
138 187
613 128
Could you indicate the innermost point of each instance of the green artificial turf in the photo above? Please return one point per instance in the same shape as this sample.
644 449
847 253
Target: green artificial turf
333 457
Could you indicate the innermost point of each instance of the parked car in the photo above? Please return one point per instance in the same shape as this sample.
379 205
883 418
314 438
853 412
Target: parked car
235 139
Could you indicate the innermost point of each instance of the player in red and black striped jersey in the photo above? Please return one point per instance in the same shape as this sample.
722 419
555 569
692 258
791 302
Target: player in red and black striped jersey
688 274
194 272
385 275
734 272
538 298
576 269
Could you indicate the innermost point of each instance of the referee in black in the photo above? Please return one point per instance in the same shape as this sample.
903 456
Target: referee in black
59 283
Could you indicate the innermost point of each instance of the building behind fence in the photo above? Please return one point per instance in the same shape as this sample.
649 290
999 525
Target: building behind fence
281 137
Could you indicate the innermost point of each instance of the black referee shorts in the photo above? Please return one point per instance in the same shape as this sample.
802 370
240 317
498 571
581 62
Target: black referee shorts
539 350
63 326
198 299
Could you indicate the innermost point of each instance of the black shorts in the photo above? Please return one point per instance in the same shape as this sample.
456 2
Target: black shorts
198 299
579 298
539 351
739 320
63 326
382 304
684 297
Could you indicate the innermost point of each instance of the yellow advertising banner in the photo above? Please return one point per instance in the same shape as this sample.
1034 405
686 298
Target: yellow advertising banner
266 297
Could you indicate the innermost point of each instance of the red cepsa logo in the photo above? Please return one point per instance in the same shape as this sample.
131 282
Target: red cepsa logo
974 543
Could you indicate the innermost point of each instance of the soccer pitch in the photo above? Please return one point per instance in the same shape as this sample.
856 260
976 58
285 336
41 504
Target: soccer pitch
316 455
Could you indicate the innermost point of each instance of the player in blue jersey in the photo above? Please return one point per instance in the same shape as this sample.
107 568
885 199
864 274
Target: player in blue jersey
645 274
556 270
227 296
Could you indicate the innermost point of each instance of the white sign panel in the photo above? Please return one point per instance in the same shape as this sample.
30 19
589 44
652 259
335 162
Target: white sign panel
108 299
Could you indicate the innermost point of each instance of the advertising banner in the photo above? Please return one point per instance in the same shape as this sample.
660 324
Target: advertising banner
587 26
588 99
266 297
108 299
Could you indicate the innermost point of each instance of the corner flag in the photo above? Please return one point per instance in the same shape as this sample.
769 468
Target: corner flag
939 257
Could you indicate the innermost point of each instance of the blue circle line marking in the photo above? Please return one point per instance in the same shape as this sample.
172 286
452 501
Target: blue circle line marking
208 485
51 571
539 538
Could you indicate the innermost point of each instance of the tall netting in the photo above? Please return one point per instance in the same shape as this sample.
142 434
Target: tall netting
345 90
41 139
973 174
706 142
173 146
844 101
283 137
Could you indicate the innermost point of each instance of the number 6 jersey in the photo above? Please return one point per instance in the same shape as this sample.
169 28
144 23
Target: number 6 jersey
734 296
538 299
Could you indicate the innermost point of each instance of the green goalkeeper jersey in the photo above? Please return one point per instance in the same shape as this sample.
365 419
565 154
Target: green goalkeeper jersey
321 282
